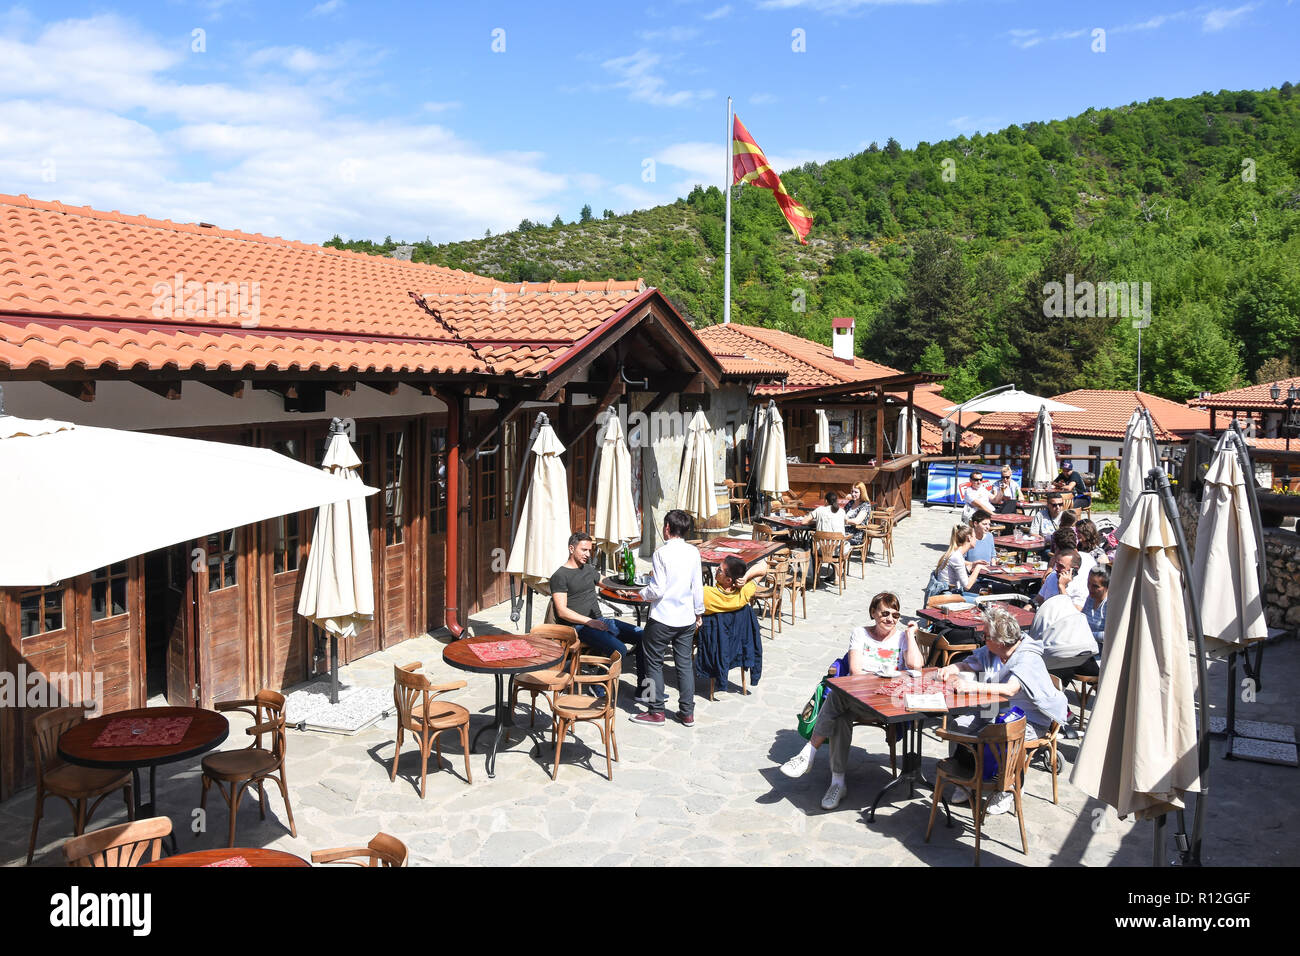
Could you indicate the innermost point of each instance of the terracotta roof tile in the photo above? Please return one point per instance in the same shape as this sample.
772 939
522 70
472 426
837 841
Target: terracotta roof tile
80 287
808 364
1105 415
1252 396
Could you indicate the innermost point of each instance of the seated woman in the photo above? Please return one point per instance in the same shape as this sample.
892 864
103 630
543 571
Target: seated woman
884 646
953 565
856 514
733 586
1011 668
827 517
1094 608
1089 541
1006 493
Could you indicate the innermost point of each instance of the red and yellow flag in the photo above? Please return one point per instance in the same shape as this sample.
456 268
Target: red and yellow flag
749 165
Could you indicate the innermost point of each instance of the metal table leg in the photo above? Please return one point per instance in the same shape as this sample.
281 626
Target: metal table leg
502 723
911 773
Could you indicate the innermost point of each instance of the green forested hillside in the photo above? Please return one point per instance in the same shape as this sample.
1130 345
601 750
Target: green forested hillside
942 252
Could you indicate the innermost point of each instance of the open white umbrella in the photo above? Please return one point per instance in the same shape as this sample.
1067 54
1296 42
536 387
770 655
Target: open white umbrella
338 590
1042 454
615 513
1138 457
541 542
1140 752
74 498
1010 400
1225 567
773 476
823 445
695 494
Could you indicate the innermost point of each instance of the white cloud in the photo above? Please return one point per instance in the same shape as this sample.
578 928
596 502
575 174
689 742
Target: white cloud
762 99
442 107
324 9
639 74
719 13
670 34
1219 18
99 112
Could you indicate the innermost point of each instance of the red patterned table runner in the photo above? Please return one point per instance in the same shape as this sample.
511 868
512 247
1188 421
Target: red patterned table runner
906 684
230 861
143 732
502 650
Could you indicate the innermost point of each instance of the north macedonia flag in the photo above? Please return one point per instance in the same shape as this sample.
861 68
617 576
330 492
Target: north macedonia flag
749 165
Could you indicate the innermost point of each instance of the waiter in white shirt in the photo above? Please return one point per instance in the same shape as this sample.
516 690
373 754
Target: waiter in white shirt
676 596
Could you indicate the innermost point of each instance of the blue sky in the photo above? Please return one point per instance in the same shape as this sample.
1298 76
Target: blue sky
443 120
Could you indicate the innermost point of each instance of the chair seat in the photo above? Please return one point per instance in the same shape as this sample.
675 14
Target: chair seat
955 773
72 781
579 705
440 716
543 680
239 764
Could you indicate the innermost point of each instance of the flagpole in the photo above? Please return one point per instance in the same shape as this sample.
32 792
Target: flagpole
726 256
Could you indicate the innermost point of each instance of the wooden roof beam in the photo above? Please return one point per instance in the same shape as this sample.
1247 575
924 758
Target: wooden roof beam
83 391
170 390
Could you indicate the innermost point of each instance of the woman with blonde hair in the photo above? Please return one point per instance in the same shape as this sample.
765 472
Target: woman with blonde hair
856 513
952 565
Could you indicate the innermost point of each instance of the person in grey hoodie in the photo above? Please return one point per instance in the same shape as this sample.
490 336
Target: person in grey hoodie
1011 668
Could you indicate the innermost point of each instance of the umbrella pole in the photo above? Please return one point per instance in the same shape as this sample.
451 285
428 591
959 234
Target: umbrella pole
1191 853
517 599
334 668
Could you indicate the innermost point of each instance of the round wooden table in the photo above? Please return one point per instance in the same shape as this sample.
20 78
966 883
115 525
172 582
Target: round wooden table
252 856
458 654
207 729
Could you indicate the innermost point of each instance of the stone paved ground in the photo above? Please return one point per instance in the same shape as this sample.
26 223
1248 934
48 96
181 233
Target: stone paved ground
712 795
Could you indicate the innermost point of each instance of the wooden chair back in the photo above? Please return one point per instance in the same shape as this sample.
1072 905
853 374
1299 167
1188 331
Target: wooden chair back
1006 742
762 532
561 634
408 686
268 712
121 846
46 731
926 641
939 600
827 546
382 851
608 671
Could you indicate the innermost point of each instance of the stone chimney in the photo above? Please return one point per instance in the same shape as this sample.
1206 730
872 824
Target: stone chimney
402 252
842 339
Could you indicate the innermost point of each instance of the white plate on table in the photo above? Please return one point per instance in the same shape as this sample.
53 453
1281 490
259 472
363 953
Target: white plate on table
956 606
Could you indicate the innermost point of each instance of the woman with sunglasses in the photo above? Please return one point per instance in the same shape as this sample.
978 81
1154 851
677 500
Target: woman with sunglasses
885 646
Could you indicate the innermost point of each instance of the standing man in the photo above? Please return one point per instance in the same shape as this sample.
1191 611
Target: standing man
676 596
573 596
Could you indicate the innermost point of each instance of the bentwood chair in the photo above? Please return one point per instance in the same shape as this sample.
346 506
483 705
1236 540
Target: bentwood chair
832 548
771 591
254 764
765 532
383 850
420 712
1047 745
1087 685
879 527
549 682
797 582
124 845
739 502
1006 742
71 784
572 708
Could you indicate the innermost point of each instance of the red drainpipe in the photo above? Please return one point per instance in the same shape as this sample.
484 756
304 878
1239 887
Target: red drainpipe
451 610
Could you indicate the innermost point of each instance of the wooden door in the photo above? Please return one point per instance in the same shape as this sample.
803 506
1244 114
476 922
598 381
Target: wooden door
112 637
286 635
436 525
392 555
578 465
221 593
489 533
182 645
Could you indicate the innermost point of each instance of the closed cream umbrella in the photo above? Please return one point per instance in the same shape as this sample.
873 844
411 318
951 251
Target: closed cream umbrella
772 476
1140 754
695 492
615 512
823 445
541 542
1225 567
338 589
1042 454
1137 459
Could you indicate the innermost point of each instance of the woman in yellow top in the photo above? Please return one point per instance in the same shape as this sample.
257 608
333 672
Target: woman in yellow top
734 587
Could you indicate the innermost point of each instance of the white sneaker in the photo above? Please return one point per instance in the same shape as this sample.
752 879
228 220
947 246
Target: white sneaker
797 766
1001 802
834 796
959 795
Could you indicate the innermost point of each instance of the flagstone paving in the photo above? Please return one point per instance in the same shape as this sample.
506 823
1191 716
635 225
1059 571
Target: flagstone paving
703 796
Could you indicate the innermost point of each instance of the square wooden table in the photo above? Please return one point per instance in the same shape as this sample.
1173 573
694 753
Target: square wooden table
751 552
1008 542
889 709
973 619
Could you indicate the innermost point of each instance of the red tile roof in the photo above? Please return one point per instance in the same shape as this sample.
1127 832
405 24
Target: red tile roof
807 364
86 289
1105 415
1252 396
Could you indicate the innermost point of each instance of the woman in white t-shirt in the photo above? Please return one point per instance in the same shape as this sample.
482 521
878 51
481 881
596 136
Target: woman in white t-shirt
828 517
884 646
